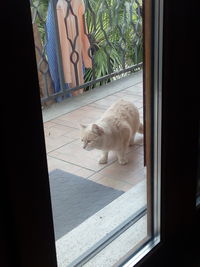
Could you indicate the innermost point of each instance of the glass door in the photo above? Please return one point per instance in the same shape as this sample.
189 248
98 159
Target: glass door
98 204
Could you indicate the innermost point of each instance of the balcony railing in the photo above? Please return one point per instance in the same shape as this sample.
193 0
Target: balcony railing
83 44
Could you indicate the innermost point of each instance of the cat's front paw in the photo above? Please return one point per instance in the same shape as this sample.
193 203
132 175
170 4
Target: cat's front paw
103 160
123 161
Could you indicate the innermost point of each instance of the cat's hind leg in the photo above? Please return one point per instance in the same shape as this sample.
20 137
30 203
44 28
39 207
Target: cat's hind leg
104 157
132 140
125 141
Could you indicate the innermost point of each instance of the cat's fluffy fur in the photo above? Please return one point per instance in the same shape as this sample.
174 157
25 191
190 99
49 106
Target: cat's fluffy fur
114 131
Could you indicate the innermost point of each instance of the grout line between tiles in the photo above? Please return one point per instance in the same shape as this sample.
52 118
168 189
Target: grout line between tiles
53 150
73 128
72 163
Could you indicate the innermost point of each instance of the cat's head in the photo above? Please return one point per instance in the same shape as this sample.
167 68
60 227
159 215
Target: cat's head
92 136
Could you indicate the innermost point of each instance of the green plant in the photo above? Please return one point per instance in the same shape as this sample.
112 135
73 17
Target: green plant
39 15
115 33
115 30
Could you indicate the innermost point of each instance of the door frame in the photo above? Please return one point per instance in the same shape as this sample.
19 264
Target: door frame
179 231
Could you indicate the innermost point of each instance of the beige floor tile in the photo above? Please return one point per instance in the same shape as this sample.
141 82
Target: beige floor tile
63 130
140 85
98 106
92 110
120 94
56 130
48 124
82 172
74 115
114 183
65 166
131 173
54 163
58 135
84 117
136 90
81 114
132 99
105 102
96 176
91 114
73 133
73 124
53 143
136 176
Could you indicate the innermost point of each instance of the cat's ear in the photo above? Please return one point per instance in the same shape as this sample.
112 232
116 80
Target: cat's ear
97 129
83 126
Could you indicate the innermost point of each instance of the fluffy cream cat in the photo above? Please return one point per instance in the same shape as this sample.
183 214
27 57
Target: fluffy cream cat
114 131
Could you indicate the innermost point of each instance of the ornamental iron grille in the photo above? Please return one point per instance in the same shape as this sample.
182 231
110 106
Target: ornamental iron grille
80 44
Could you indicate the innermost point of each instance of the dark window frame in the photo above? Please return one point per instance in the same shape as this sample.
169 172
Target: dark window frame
179 216
27 237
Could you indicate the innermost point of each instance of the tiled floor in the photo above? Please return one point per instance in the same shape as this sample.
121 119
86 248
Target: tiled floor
64 150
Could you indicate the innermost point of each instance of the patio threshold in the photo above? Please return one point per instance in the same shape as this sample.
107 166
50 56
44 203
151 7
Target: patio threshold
76 247
73 103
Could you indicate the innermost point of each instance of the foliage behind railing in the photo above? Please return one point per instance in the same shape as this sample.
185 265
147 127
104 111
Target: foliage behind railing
115 34
115 29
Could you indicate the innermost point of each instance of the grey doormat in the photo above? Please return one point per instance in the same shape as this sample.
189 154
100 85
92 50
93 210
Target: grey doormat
74 199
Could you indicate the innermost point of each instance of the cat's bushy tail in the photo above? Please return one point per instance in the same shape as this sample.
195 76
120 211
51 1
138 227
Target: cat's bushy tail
141 128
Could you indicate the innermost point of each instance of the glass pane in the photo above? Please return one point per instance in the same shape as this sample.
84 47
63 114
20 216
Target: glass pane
90 69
